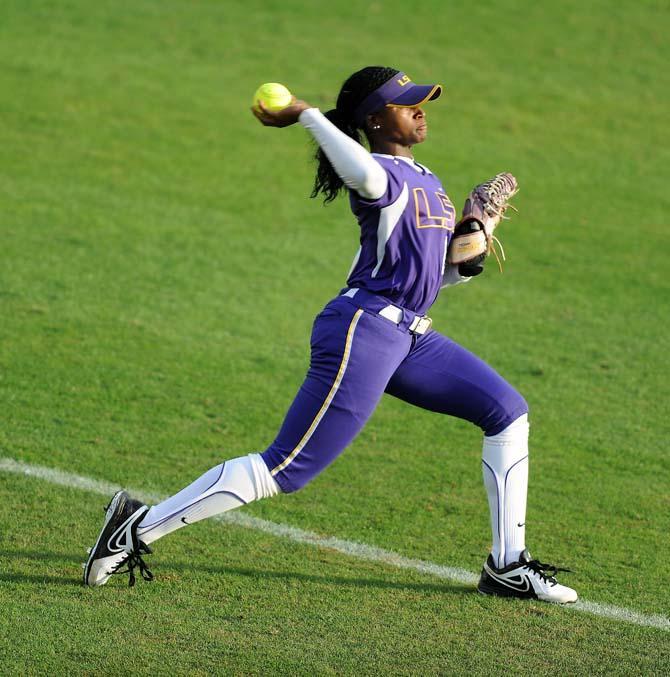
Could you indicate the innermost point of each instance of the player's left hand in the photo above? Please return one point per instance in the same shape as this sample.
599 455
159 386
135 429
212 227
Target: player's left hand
473 238
280 118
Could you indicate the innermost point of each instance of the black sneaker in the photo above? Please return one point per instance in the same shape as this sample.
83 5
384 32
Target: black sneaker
528 578
118 543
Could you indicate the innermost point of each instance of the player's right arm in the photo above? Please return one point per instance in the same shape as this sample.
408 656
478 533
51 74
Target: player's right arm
354 165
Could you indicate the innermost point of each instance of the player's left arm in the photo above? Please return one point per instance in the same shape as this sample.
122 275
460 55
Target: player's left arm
452 275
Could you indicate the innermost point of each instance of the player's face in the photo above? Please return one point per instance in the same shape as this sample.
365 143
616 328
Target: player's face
405 126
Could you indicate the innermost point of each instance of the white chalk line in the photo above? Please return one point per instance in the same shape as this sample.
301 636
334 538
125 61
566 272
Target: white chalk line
349 548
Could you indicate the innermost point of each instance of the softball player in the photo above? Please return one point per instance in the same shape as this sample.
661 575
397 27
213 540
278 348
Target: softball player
373 338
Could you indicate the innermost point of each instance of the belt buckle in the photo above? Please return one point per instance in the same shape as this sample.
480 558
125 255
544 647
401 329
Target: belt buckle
420 325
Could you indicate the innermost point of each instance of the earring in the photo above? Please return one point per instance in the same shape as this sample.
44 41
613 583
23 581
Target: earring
376 127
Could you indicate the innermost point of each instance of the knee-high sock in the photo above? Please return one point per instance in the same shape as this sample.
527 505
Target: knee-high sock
224 487
505 469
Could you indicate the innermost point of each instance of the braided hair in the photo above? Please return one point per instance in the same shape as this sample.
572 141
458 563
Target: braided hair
354 91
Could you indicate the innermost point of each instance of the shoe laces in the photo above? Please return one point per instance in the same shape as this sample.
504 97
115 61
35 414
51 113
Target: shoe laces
546 572
133 560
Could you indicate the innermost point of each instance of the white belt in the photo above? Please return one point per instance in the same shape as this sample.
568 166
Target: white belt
419 325
392 313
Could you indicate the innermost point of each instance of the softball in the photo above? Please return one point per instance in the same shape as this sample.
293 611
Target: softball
273 95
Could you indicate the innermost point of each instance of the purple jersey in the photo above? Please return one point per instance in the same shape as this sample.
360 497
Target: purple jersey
404 235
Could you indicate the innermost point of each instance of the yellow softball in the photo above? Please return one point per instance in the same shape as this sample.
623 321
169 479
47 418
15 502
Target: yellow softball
273 95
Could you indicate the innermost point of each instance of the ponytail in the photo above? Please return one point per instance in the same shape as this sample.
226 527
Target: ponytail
353 92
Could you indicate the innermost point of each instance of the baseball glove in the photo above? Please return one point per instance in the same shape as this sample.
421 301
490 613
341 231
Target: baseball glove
473 238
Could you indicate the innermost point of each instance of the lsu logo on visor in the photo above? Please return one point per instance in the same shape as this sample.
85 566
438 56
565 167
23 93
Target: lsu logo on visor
403 80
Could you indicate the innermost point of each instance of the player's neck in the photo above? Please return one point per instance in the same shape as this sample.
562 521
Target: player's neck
391 148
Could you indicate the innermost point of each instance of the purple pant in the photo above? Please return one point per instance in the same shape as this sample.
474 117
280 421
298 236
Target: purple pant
357 356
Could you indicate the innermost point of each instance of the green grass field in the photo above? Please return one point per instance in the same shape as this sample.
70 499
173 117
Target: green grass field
160 268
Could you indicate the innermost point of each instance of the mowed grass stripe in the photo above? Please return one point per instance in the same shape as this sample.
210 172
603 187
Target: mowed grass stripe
349 548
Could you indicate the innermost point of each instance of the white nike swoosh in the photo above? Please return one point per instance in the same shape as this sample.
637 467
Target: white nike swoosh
510 584
114 543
